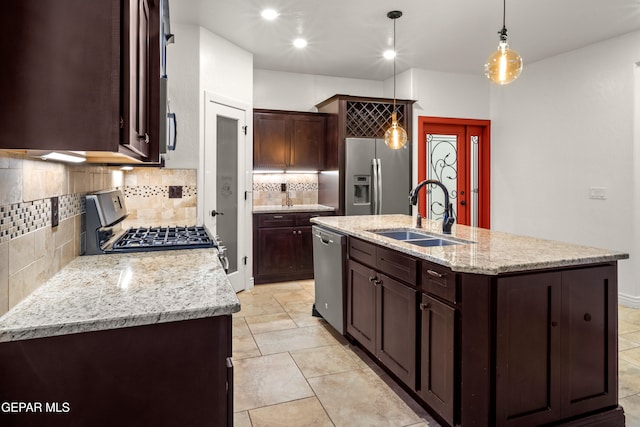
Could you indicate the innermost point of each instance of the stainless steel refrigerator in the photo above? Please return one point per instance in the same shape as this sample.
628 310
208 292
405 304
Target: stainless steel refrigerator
378 179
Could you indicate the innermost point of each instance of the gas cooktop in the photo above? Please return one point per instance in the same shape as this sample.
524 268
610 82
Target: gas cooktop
137 239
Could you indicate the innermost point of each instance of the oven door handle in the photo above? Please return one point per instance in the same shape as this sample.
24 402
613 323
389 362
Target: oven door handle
225 263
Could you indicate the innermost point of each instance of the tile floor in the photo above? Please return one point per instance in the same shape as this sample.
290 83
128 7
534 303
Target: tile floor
292 369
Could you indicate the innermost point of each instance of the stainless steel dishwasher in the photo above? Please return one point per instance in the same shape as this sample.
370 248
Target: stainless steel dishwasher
329 251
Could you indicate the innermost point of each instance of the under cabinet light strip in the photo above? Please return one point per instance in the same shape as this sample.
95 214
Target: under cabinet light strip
63 157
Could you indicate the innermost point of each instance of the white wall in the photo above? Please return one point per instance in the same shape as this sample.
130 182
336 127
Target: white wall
567 124
445 94
225 69
201 61
301 92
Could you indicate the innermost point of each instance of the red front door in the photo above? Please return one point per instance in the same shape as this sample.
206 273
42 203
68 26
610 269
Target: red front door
456 153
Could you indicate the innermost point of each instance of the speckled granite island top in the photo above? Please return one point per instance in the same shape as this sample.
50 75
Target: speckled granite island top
492 253
120 290
292 209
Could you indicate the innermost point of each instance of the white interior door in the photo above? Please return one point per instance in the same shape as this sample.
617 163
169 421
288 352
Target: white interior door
227 203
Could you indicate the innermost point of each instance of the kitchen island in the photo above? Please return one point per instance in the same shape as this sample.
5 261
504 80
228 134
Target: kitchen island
496 329
122 339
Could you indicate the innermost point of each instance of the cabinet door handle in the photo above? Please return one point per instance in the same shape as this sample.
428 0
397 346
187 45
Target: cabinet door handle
587 317
144 137
434 273
277 217
424 306
554 323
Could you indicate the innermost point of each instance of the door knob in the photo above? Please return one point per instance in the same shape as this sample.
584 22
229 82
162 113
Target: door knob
215 212
463 202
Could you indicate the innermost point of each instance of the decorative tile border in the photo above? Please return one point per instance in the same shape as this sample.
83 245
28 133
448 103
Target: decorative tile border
156 191
21 218
291 186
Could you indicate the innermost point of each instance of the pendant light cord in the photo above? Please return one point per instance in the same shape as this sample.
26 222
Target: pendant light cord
394 65
504 13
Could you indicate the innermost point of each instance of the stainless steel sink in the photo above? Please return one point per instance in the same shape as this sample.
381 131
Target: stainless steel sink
403 234
419 238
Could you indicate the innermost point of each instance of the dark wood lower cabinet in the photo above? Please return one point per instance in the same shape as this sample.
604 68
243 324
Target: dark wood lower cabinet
283 247
396 328
534 348
381 315
437 346
556 345
528 365
361 305
278 248
589 340
166 374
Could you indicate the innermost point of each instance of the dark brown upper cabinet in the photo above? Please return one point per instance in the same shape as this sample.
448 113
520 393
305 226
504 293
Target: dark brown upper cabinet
82 76
288 140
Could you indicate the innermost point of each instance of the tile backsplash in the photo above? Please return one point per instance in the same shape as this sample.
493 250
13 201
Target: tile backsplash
302 189
146 191
32 251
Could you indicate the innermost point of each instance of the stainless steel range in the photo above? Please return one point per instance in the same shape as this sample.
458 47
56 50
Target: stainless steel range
106 209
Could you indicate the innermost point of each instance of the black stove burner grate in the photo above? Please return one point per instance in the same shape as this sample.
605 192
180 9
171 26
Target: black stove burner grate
138 239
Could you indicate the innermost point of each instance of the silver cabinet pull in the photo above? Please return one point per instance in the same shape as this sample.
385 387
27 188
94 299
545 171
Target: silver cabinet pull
434 273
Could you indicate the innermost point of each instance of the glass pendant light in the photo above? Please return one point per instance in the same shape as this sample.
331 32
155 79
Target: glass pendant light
504 65
395 137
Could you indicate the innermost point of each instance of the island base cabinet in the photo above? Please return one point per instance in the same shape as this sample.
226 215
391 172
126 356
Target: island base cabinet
589 340
437 357
556 345
167 374
381 316
361 305
396 328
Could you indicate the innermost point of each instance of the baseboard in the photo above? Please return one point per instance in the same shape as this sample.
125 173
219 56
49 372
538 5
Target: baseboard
628 300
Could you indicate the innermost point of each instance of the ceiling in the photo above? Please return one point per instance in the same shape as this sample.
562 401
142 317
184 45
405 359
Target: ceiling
347 37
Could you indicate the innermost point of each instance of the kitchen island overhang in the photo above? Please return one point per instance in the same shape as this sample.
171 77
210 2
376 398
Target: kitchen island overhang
141 338
506 331
491 253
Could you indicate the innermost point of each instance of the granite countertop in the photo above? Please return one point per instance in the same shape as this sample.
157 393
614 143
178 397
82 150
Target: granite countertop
293 208
492 253
112 291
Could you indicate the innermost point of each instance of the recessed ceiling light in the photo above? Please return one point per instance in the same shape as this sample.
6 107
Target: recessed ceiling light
300 43
389 54
269 14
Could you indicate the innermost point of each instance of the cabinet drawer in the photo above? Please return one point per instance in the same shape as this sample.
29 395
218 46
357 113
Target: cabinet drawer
397 265
276 220
439 281
305 218
362 251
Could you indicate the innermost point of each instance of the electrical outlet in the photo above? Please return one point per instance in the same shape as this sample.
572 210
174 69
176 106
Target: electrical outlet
55 212
598 193
175 191
283 187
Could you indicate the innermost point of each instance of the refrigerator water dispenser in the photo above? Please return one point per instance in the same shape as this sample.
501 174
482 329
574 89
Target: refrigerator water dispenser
361 190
